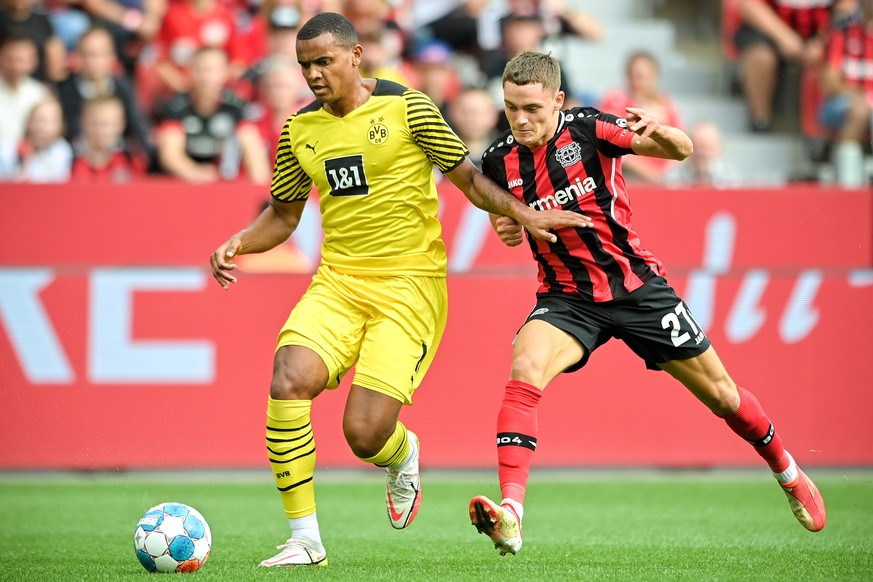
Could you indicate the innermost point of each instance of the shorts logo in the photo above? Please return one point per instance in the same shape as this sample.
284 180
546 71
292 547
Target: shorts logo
539 311
377 134
569 154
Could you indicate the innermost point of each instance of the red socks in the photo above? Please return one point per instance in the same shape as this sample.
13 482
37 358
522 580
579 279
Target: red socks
516 437
751 423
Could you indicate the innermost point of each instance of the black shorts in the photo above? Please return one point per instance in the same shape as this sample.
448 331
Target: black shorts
653 321
747 36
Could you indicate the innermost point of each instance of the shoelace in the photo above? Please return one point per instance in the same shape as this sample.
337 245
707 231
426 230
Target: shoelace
402 480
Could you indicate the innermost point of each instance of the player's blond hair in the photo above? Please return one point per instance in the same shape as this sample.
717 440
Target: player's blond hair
532 67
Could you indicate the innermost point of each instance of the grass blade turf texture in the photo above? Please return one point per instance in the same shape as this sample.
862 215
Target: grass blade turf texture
631 525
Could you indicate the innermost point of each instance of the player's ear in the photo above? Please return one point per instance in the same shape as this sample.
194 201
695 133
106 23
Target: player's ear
357 52
559 100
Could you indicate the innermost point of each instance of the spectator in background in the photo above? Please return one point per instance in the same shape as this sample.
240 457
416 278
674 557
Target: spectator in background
435 75
96 77
282 92
189 25
369 16
19 92
558 19
382 58
43 156
131 22
24 18
706 166
276 27
773 33
102 154
202 135
473 116
69 20
643 91
847 85
520 33
454 22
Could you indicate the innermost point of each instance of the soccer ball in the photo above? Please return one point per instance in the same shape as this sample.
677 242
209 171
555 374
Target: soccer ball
172 537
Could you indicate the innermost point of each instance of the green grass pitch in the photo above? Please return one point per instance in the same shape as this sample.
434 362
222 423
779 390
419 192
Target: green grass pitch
621 525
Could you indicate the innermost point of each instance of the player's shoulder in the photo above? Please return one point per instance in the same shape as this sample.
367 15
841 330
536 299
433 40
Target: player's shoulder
386 88
298 118
502 145
312 107
589 116
582 115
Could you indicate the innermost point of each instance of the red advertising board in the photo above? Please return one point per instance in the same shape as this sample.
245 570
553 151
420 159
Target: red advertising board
117 350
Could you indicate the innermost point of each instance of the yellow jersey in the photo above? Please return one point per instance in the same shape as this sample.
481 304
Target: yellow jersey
373 170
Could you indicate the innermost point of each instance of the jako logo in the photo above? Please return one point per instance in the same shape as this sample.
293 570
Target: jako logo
515 183
561 197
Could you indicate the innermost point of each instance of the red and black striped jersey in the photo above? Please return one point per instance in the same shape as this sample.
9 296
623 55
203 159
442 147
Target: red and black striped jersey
808 18
850 51
579 169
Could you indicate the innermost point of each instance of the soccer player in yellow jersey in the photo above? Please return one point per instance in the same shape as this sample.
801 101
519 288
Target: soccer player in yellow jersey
378 299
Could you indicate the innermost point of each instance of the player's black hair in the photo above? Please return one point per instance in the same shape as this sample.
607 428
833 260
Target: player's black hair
336 25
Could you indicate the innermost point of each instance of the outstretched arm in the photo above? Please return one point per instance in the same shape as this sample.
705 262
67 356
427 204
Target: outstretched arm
656 140
484 193
271 228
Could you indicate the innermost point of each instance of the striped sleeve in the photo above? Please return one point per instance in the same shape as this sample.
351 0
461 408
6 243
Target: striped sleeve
290 182
431 132
613 137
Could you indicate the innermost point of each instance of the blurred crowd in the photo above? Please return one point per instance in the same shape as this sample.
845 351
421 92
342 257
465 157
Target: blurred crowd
113 90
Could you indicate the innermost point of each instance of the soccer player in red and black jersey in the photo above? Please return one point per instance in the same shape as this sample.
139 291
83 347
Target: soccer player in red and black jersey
598 283
774 32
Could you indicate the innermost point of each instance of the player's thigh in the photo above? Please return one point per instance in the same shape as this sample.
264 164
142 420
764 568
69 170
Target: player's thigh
657 325
542 352
329 320
559 335
408 318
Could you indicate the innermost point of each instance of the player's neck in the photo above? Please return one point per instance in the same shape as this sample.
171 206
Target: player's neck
356 98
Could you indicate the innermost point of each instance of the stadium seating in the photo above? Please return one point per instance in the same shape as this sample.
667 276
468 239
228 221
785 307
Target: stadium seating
695 79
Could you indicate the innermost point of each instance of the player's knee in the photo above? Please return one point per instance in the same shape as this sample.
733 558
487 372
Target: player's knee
365 443
291 384
726 398
528 369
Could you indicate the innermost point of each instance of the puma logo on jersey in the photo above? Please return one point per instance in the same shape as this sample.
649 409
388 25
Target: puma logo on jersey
565 195
311 147
515 183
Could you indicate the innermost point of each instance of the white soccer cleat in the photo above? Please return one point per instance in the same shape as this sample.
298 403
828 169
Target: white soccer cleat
298 552
498 522
403 489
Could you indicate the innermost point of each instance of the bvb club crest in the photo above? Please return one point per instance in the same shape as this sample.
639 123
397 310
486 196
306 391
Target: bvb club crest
377 134
569 154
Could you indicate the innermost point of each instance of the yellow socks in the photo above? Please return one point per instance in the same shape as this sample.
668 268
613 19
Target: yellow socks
395 451
291 450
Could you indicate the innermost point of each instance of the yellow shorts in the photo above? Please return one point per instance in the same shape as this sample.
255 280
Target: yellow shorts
391 326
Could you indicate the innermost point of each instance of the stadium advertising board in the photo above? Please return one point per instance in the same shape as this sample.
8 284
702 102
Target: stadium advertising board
118 351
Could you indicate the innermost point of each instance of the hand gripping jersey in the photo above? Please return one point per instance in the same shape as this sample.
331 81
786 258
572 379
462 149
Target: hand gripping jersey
579 169
373 170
